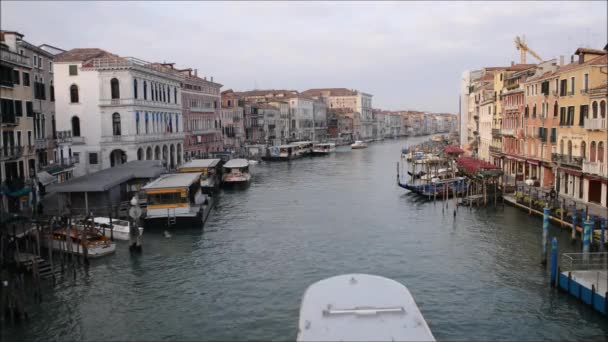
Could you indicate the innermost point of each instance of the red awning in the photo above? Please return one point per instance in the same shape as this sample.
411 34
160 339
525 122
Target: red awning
473 165
453 150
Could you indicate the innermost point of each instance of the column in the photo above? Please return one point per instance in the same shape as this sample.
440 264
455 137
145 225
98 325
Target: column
604 195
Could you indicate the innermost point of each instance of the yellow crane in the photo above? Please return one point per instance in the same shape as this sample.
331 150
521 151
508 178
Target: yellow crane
520 44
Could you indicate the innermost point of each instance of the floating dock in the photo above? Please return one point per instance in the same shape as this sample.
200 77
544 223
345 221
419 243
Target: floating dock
586 278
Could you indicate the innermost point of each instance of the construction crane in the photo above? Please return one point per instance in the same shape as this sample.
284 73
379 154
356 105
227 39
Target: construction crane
521 45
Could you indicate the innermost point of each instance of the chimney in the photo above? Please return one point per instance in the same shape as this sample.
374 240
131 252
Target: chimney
205 78
512 63
211 78
195 72
561 60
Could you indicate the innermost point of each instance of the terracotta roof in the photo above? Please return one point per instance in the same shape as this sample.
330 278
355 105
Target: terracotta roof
81 55
599 60
331 91
453 150
589 51
521 67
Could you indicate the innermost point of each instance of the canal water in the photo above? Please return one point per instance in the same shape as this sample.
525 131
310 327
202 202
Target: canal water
476 276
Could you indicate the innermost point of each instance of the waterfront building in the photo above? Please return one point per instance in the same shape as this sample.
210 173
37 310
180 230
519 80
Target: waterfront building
319 109
577 141
254 133
17 145
541 122
203 124
301 112
268 119
233 115
486 109
354 100
283 121
463 122
113 109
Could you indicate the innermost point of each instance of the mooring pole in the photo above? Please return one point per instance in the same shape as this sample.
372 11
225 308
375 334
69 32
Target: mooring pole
554 256
603 236
545 234
587 228
574 223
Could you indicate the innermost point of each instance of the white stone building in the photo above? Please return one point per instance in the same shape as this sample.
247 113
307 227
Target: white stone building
113 109
301 112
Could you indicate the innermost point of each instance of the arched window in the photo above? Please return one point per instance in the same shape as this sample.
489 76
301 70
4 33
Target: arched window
584 150
75 126
594 109
74 93
147 127
140 154
570 149
561 147
534 111
603 109
176 122
164 94
592 152
600 152
555 109
135 88
116 124
145 90
168 94
115 88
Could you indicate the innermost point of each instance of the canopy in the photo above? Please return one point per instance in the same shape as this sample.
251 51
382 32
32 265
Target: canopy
45 178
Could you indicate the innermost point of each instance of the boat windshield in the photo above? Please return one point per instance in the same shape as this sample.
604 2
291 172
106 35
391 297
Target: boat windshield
167 198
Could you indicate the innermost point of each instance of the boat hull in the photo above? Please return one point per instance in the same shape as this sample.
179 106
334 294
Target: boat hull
92 251
358 147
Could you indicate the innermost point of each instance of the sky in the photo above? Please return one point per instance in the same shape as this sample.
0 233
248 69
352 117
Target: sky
408 55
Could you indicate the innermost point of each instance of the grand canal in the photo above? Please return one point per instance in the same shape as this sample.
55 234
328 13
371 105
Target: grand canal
476 276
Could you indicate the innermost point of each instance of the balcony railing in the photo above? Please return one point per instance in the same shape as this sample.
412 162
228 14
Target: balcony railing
495 149
202 110
16 58
137 102
141 137
11 152
205 131
595 168
595 124
10 120
567 160
508 131
129 62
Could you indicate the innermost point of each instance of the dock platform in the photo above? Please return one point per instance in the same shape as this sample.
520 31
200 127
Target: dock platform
586 278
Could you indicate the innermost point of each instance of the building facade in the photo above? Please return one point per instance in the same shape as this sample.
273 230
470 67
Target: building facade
113 109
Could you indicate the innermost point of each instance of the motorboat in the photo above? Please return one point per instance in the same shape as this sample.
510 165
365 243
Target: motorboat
236 172
175 198
358 145
360 307
323 149
113 228
76 239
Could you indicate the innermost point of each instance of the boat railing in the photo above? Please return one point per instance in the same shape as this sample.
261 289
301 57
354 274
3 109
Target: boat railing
584 261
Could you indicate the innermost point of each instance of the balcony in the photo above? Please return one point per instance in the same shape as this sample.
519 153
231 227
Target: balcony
567 160
204 131
495 149
15 58
595 124
595 168
137 102
508 131
141 138
496 132
202 110
11 152
9 120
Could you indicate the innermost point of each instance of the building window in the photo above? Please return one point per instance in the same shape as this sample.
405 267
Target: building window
555 109
74 93
592 152
136 122
29 138
73 70
175 94
583 150
135 88
18 108
603 109
29 109
563 90
145 90
115 88
75 126
571 116
584 112
26 79
586 82
116 124
54 127
16 77
572 86
52 91
594 109
147 127
600 152
51 66
92 158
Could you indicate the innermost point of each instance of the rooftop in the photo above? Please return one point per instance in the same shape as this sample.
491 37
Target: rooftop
172 180
109 178
199 163
83 54
330 92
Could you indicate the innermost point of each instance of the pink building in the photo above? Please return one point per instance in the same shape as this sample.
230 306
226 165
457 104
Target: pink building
201 106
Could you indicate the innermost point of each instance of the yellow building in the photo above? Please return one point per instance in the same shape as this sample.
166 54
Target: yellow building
575 137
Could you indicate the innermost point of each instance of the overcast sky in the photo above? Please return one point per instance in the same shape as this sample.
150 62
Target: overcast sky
409 55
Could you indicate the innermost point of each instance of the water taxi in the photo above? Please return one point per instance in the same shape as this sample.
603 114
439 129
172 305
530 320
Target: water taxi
437 138
303 148
71 241
209 170
174 199
360 307
236 172
323 149
117 229
358 145
282 152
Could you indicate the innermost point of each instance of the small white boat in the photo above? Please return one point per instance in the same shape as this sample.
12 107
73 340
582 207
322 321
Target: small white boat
120 229
236 171
360 307
323 149
358 145
96 243
253 162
